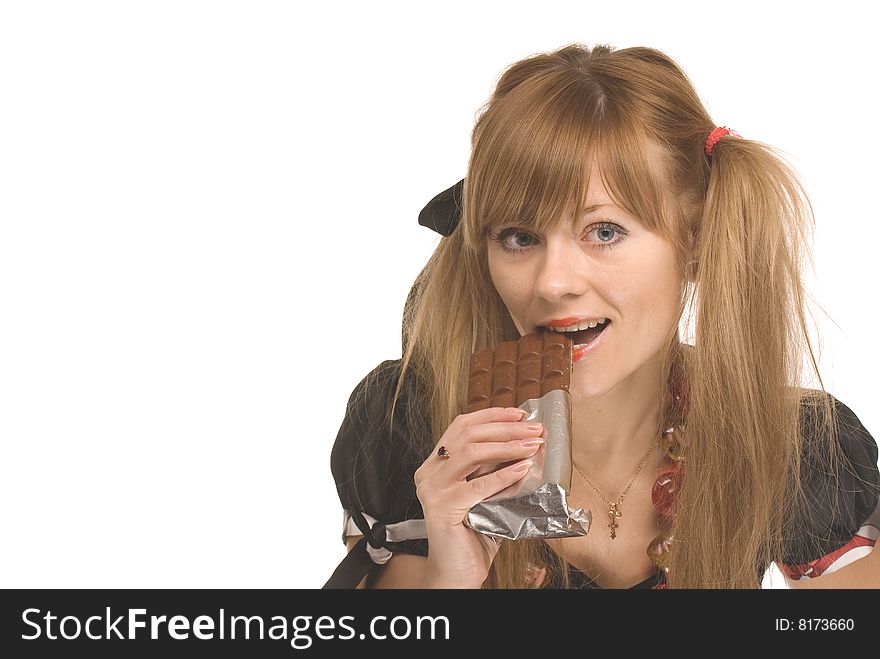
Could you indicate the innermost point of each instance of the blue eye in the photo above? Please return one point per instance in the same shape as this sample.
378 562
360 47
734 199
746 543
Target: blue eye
603 230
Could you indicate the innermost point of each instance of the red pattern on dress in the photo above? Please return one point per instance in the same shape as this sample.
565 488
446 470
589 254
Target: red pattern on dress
816 568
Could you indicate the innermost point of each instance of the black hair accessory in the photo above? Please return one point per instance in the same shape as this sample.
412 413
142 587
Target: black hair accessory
443 213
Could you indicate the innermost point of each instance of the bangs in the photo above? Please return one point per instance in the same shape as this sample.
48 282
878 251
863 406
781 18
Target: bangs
532 159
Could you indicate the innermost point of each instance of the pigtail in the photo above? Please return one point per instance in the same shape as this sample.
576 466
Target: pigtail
745 371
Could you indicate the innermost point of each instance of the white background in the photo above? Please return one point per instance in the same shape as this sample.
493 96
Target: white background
189 191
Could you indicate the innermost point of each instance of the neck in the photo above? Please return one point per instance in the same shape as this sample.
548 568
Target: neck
612 432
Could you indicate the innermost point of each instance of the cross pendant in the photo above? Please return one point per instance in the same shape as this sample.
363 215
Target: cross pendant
613 514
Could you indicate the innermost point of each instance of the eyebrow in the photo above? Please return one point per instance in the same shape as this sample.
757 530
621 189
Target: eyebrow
590 209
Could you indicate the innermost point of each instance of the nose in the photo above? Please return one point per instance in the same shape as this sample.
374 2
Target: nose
562 270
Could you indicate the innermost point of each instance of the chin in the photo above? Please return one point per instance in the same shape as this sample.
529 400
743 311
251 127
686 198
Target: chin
583 388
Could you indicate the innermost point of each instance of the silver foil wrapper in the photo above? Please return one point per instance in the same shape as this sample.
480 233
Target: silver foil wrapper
536 506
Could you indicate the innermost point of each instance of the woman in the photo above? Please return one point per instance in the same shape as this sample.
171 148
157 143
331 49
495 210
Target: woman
599 189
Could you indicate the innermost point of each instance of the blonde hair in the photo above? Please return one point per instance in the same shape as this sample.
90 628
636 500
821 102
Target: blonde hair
740 229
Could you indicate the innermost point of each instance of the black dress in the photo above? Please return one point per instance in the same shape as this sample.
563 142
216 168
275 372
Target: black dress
373 464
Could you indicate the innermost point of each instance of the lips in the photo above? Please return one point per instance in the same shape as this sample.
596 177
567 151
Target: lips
562 323
586 336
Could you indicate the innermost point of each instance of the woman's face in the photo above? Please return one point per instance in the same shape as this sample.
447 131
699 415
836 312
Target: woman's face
610 267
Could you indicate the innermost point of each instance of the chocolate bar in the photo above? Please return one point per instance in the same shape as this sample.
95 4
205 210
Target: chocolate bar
515 371
533 373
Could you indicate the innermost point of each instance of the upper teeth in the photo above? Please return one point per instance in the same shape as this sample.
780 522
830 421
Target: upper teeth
585 324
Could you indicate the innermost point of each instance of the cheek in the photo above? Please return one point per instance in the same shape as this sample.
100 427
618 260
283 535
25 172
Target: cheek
504 281
646 284
659 288
510 290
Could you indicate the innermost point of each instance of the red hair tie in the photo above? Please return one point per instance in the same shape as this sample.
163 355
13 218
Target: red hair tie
716 135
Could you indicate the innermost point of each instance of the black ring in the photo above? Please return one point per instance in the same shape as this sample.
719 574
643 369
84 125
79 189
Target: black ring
444 453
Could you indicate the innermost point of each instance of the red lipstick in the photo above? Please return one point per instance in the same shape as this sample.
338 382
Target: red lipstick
564 322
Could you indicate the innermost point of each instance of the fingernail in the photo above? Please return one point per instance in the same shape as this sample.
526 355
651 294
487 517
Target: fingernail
522 466
533 443
534 427
522 413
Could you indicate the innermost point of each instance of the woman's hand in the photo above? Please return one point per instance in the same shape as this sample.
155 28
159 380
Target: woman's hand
457 556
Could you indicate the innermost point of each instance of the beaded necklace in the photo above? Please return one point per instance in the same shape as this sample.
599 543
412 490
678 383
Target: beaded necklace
670 478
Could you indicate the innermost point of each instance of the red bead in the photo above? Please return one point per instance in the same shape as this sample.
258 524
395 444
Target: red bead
679 400
672 444
664 492
658 551
668 482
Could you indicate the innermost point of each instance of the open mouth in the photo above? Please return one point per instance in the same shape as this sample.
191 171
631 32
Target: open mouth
583 338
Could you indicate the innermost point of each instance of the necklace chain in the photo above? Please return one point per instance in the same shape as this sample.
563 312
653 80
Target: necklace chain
614 507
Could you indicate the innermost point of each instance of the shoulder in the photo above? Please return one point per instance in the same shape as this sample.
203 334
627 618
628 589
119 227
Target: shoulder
374 427
841 495
857 467
376 453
